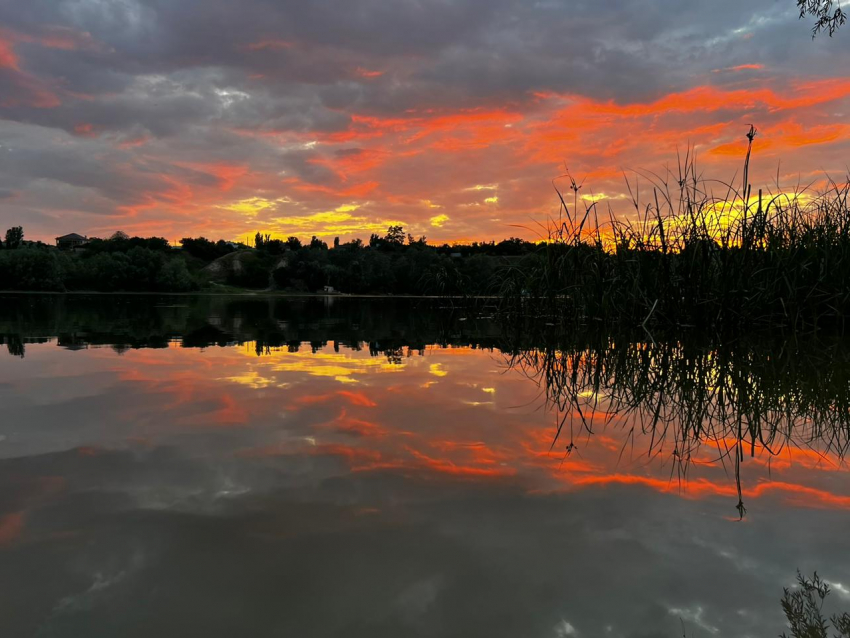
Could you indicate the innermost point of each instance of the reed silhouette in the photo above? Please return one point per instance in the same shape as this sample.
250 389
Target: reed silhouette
694 253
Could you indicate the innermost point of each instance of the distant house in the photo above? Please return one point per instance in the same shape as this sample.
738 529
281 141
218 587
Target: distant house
71 241
329 289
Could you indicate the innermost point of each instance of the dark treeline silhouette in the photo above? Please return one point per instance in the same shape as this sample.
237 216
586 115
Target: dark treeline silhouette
394 263
398 264
120 264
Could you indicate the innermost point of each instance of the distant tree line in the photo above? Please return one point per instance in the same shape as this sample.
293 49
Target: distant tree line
393 263
133 264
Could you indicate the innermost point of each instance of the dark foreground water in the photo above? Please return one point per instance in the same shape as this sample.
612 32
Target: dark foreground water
176 466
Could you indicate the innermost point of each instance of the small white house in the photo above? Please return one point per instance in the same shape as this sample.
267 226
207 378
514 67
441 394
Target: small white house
329 289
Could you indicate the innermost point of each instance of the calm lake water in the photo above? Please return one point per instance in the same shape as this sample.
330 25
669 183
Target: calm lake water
179 466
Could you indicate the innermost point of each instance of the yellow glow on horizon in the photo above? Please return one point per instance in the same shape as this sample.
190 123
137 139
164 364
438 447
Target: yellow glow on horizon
492 200
338 221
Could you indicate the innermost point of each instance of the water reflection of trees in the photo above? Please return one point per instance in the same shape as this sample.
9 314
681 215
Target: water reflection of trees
153 321
395 353
741 400
15 345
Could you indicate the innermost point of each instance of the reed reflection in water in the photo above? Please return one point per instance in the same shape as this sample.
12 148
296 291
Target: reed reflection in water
739 400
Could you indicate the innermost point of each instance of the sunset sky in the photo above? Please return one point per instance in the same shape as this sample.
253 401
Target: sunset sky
339 117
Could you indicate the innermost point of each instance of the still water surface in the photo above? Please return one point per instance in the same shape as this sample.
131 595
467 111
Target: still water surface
179 466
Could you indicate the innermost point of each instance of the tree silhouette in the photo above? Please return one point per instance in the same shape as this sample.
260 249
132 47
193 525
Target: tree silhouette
14 237
15 345
828 14
395 235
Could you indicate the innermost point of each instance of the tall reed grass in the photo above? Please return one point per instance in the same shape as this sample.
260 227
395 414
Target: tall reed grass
694 253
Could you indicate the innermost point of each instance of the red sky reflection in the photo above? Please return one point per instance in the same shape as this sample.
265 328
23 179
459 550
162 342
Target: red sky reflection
454 414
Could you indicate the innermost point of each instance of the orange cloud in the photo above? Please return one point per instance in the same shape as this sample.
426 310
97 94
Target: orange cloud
227 175
474 126
708 99
366 73
792 134
357 191
352 164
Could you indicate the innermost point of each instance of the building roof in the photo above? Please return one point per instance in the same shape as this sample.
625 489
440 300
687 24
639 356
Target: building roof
71 237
